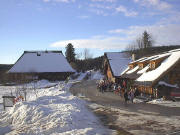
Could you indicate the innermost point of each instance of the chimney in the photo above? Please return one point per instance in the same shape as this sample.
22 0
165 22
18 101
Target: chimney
133 57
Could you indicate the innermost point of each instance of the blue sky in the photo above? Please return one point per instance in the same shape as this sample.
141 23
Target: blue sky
100 25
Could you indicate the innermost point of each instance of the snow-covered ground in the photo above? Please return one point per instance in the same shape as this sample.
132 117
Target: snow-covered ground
161 102
95 75
165 103
8 90
53 110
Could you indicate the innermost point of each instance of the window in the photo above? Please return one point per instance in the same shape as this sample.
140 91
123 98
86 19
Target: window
141 66
131 66
152 65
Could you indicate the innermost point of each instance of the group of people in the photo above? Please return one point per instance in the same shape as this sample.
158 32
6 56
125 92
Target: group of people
122 88
104 85
129 96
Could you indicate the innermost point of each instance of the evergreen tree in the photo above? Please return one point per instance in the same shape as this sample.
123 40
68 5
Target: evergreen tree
70 53
147 40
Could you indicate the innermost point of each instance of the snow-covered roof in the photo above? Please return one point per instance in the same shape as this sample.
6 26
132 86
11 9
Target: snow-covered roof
149 58
161 56
118 62
174 50
165 65
40 62
125 70
132 70
138 60
143 70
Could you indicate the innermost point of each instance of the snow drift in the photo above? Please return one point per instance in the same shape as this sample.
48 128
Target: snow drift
55 111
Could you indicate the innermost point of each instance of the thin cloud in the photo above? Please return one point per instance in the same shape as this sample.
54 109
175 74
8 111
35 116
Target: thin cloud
99 12
63 1
126 12
83 17
158 4
104 1
111 9
162 34
104 43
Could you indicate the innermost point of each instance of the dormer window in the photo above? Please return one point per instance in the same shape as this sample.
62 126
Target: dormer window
140 66
131 66
152 65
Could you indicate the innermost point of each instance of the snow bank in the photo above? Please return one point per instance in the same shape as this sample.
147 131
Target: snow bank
164 103
96 75
55 111
92 75
42 84
8 90
81 76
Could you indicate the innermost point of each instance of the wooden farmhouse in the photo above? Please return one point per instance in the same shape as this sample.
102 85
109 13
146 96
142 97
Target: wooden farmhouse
157 75
114 64
51 65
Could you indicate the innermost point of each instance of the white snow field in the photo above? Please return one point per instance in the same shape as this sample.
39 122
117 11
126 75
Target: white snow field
54 111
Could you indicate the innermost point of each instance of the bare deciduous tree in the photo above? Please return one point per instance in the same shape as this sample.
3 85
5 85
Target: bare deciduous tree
141 44
87 54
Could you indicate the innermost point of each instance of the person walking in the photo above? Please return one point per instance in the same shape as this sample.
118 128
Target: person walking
131 94
126 96
124 84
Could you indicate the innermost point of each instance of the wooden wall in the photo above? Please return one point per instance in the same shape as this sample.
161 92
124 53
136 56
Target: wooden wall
174 75
109 75
21 77
146 89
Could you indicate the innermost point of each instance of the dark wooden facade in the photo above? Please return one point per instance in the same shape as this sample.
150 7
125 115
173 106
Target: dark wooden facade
31 76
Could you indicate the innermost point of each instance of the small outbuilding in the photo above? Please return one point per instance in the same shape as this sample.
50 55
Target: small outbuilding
50 65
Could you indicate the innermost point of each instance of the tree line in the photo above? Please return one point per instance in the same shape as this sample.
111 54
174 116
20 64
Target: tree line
81 65
140 47
144 46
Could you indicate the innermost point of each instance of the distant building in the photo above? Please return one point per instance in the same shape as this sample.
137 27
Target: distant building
114 65
156 75
51 65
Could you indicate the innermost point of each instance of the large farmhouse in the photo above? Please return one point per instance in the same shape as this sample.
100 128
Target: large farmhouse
156 75
51 65
114 64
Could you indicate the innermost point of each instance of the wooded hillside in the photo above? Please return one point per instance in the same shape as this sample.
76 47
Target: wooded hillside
152 50
3 72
